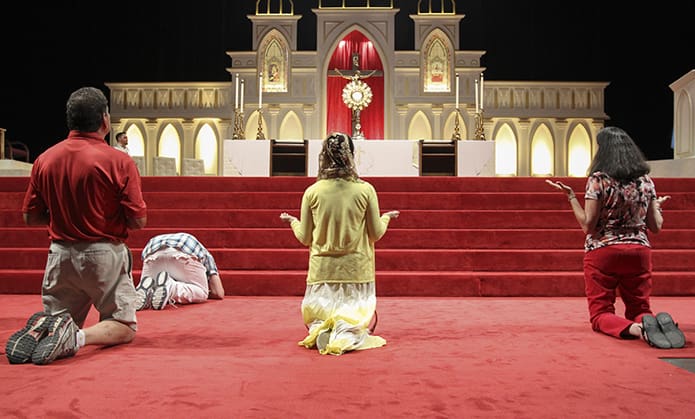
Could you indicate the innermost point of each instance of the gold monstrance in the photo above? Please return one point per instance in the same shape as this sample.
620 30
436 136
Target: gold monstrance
357 95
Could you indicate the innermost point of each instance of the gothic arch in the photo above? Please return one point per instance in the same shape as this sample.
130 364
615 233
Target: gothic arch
291 127
437 62
332 89
373 38
206 147
136 140
578 151
273 61
506 150
542 151
685 126
419 127
169 144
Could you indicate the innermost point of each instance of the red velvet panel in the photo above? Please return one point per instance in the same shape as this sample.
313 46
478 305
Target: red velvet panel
339 115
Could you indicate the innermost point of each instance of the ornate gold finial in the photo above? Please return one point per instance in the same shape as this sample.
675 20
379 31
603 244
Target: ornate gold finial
239 133
271 5
343 4
479 129
259 133
446 7
456 136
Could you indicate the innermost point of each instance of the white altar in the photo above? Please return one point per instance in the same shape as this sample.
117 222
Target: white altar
246 158
373 158
475 158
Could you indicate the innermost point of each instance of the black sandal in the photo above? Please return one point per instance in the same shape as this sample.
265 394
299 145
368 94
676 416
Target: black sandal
670 329
373 322
651 332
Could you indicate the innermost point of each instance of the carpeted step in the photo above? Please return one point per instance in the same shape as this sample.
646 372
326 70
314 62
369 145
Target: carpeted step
288 201
485 260
395 184
173 219
423 184
291 201
397 238
399 283
450 283
455 236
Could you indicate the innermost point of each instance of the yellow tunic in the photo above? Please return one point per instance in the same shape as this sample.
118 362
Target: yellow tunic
340 222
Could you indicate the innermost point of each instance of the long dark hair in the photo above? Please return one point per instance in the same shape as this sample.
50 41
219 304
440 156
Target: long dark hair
336 159
618 156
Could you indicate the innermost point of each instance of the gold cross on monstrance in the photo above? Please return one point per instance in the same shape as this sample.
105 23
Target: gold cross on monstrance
356 94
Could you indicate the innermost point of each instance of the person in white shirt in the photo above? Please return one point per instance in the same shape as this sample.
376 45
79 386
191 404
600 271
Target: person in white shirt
122 142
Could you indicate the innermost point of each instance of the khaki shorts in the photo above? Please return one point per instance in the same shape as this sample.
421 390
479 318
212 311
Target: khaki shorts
79 275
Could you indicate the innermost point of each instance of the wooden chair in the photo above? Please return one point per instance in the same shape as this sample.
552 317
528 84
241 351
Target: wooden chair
15 150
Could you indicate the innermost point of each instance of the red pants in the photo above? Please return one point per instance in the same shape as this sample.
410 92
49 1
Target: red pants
624 269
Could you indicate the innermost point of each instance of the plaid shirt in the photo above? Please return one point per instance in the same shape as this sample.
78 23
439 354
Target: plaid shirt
184 242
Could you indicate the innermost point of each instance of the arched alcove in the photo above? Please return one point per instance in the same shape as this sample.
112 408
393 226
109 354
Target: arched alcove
136 141
542 160
419 127
206 148
291 127
505 151
355 50
170 145
684 126
578 152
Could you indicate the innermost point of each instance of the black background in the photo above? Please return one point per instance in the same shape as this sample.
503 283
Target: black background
49 50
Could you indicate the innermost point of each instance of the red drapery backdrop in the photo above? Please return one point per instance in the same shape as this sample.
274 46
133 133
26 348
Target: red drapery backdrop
339 116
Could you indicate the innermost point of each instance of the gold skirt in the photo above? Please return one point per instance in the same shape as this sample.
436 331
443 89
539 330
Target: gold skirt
344 310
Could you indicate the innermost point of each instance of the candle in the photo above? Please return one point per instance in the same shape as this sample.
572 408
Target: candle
236 91
260 90
477 108
457 91
241 96
482 91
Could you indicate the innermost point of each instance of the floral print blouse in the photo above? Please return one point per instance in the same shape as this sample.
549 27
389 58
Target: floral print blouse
623 210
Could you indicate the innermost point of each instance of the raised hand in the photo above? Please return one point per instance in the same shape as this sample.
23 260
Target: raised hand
393 214
287 217
559 185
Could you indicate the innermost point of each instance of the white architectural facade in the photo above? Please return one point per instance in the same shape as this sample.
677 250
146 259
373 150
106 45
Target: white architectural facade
683 163
539 128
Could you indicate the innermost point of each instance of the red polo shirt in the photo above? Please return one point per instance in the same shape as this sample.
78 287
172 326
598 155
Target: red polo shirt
88 188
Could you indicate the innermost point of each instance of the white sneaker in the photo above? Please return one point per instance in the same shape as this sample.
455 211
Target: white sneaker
60 341
160 291
143 293
22 343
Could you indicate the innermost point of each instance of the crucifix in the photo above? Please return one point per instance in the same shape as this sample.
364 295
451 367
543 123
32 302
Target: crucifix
356 94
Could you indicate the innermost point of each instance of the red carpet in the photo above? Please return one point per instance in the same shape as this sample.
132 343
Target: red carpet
479 237
445 358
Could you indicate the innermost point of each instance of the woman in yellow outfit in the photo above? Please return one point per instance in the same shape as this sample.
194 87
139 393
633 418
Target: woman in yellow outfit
340 222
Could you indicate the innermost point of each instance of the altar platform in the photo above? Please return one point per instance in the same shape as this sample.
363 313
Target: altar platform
373 158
